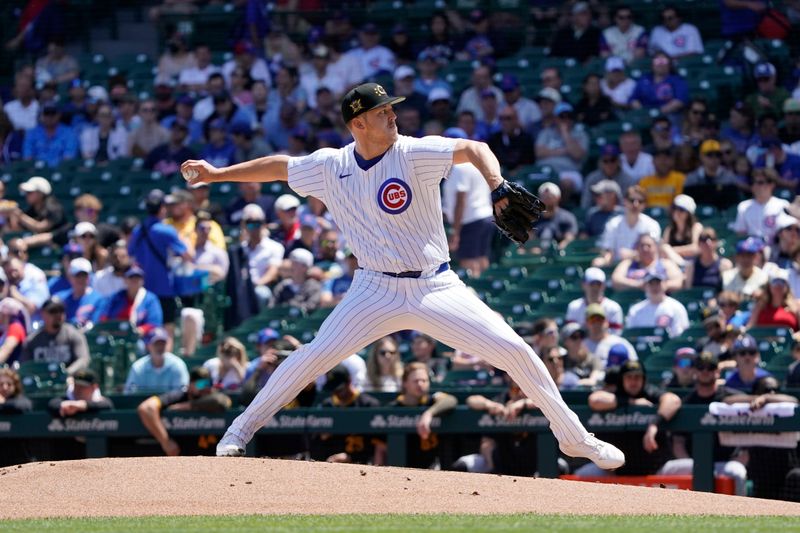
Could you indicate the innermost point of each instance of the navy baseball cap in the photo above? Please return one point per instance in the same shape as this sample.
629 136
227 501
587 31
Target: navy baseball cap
609 150
657 274
770 142
157 334
745 343
72 250
241 128
617 355
134 271
336 377
750 245
764 70
563 107
509 83
266 335
366 97
631 367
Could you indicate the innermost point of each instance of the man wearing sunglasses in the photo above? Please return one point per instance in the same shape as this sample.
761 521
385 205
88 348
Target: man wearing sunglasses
198 396
621 233
748 358
624 39
711 181
756 217
705 373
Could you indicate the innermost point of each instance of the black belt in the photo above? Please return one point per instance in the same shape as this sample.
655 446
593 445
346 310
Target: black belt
444 267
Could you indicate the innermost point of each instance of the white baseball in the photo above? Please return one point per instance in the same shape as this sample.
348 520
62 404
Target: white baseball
190 174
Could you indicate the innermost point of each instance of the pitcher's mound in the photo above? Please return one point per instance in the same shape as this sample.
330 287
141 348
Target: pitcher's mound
219 486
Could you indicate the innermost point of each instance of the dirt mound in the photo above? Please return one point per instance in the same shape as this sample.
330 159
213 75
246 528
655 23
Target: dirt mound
223 486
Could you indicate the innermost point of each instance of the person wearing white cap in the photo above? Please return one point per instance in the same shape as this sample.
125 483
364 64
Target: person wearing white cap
557 225
607 198
287 229
616 84
471 98
776 306
563 145
681 237
756 217
44 212
298 290
658 310
57 341
264 255
319 73
80 300
787 241
624 39
594 286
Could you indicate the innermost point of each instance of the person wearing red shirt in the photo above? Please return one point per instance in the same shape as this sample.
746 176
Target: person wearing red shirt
777 305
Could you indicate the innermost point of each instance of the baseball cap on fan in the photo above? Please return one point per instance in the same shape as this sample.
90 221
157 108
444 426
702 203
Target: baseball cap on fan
366 97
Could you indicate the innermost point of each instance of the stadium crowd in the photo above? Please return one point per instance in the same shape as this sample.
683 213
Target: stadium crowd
684 210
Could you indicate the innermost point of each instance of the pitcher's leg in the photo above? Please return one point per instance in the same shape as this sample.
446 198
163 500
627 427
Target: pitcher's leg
460 319
371 310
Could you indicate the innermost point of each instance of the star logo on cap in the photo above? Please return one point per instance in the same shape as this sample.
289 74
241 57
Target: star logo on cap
380 91
356 106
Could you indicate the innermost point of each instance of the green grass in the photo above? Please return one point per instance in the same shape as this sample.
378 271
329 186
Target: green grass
403 523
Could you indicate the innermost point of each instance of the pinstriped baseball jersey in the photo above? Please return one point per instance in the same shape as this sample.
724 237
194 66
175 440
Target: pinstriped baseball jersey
389 208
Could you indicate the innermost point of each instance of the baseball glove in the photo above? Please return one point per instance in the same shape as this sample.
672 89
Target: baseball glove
521 213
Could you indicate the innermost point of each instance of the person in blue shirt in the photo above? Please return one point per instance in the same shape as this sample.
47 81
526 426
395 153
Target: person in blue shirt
183 112
50 141
748 357
152 245
787 165
80 300
167 158
134 304
219 150
60 283
159 371
661 89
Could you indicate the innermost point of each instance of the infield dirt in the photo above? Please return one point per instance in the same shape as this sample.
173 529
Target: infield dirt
225 486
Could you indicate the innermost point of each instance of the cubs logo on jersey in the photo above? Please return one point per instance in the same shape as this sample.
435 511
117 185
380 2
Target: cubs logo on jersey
394 196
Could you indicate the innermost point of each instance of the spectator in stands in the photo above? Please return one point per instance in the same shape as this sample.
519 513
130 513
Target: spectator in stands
26 282
149 133
14 325
707 267
219 150
580 367
104 141
556 225
227 369
59 282
57 341
581 39
658 310
606 206
632 273
335 288
195 77
240 86
693 127
621 233
705 374
553 359
662 89
675 38
50 141
636 163
594 282
23 110
646 453
741 127
511 143
167 158
776 305
428 76
528 112
287 228
423 448
250 193
44 212
609 169
133 304
384 367
681 237
564 146
152 245
793 372
84 396
317 73
746 278
247 145
470 99
756 217
57 65
111 279
80 300
748 370
264 255
729 303
769 96
616 85
790 131
599 339
711 181
787 241
594 107
346 448
298 290
245 56
490 106
423 350
478 43
441 43
767 130
195 394
666 183
175 59
183 113
785 164
207 255
372 57
662 135
623 39
160 370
